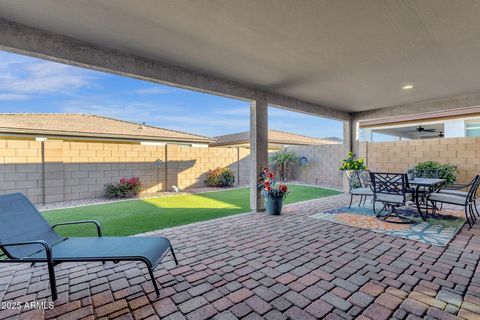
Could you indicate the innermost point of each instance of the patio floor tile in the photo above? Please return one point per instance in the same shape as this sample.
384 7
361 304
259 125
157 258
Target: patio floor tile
272 267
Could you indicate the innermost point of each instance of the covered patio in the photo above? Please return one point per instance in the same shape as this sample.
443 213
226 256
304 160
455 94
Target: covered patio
351 61
258 266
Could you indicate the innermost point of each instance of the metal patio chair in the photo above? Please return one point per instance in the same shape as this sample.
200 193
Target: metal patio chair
26 237
456 189
393 191
359 185
465 199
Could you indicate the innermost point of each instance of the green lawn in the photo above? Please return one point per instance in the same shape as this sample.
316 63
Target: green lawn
137 216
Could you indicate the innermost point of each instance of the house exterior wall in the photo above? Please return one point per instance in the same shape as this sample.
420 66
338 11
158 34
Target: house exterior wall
399 156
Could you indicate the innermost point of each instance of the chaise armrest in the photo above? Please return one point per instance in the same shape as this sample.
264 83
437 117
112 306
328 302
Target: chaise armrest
96 223
45 245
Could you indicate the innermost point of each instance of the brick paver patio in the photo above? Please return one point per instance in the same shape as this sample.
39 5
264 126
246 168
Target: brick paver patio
257 266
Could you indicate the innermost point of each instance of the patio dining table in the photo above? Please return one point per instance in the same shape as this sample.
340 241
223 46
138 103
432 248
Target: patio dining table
429 186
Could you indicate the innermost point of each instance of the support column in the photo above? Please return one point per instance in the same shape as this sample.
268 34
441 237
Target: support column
348 135
258 149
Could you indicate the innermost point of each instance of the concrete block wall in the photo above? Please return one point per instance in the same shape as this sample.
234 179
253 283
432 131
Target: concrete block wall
72 170
324 161
21 168
399 156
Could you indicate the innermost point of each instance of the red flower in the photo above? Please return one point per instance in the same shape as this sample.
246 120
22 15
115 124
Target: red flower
265 170
266 183
283 188
123 180
267 187
270 175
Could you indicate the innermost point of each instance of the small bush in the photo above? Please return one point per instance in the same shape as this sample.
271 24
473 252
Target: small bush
446 171
220 177
125 188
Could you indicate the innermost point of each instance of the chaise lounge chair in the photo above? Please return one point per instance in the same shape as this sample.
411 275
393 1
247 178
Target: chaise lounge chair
25 236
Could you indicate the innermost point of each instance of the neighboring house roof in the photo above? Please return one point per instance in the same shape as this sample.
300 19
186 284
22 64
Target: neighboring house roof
91 126
274 137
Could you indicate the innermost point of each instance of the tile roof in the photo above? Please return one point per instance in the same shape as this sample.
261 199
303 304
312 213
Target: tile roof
92 126
274 137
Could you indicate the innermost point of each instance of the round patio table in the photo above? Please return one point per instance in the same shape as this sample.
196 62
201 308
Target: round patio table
430 185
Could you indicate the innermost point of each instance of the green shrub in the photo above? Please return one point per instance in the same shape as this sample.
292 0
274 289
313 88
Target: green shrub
445 171
125 188
220 177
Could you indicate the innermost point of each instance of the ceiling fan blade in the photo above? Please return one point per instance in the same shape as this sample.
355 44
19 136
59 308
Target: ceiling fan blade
429 130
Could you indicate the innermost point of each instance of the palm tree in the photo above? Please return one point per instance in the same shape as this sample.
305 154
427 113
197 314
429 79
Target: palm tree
281 160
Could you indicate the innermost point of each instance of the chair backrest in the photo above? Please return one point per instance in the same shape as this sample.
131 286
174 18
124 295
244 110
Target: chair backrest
474 185
358 179
20 221
390 183
365 178
427 173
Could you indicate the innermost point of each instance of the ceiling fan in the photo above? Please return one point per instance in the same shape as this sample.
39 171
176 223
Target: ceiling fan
422 129
441 135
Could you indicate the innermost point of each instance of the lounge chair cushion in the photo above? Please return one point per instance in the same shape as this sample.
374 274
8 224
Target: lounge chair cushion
393 198
20 221
362 191
447 198
74 249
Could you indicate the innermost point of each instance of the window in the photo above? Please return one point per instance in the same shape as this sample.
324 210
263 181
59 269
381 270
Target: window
472 129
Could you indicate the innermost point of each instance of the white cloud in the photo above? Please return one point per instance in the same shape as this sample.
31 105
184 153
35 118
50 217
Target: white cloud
244 112
159 90
13 97
35 77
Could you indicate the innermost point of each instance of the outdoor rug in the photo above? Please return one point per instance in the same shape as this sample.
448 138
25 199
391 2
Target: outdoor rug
438 230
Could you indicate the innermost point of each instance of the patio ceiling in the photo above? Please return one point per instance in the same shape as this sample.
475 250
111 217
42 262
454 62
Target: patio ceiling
348 55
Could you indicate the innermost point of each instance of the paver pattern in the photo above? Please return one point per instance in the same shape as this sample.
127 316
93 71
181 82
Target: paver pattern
257 266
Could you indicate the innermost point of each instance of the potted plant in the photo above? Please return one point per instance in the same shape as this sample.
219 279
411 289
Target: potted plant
272 193
350 165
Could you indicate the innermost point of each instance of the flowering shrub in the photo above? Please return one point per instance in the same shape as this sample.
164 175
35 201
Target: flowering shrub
268 185
351 164
125 188
220 177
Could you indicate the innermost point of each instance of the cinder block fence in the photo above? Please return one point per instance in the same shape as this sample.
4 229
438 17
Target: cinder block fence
59 170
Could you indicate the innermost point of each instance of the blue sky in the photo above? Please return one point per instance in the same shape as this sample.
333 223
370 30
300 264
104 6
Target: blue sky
33 85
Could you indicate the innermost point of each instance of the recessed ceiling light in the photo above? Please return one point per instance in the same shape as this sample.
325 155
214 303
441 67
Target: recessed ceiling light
407 87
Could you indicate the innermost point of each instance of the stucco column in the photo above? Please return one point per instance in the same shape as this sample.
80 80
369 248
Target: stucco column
258 149
348 134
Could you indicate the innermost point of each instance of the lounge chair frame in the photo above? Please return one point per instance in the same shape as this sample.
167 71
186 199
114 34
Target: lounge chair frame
51 261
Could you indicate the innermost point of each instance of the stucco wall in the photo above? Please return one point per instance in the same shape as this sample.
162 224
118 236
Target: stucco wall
323 165
399 156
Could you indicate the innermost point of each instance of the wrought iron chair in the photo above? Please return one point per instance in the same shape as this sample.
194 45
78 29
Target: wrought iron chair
427 173
456 189
359 185
465 199
393 191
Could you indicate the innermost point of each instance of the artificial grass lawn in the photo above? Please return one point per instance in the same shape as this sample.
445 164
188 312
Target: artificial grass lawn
137 216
